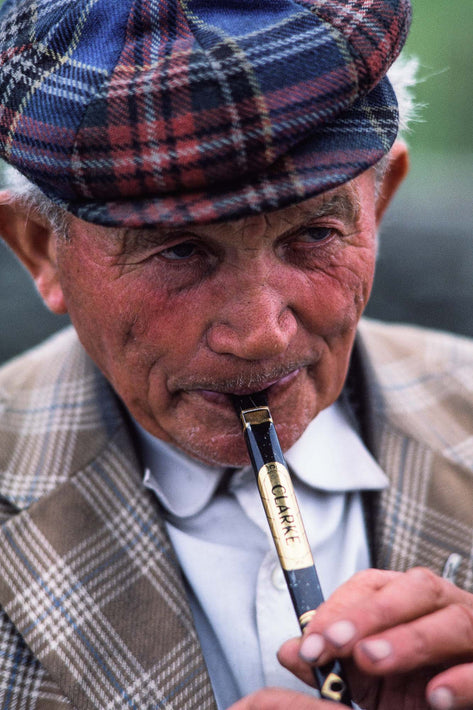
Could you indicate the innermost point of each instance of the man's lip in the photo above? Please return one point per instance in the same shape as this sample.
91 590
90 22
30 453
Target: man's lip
222 396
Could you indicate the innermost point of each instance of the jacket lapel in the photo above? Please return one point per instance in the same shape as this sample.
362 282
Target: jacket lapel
425 517
421 437
90 581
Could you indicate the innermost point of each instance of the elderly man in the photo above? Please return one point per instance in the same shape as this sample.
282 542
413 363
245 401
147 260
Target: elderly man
199 185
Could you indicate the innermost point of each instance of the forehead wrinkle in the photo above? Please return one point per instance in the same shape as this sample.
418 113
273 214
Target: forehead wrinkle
342 202
131 238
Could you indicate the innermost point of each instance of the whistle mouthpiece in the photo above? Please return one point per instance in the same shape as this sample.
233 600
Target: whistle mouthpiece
252 409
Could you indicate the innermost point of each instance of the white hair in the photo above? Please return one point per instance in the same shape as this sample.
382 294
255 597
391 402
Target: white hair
402 76
34 199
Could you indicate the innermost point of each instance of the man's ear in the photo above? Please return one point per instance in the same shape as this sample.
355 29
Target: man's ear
34 242
395 172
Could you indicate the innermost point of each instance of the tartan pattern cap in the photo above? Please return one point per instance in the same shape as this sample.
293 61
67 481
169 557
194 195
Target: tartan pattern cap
134 112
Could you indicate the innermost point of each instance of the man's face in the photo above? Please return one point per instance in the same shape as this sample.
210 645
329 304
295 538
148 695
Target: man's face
178 319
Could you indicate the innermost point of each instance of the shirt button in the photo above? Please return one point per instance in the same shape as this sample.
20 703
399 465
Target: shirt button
277 578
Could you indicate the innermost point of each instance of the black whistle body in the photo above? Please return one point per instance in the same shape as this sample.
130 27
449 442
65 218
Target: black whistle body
282 511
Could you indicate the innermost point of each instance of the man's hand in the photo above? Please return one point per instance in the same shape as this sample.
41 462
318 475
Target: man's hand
279 699
407 641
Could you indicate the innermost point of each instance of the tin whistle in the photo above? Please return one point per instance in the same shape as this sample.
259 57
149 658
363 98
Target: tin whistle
287 529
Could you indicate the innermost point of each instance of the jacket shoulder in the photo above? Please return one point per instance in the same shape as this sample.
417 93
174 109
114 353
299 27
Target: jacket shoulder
40 365
57 412
421 382
413 344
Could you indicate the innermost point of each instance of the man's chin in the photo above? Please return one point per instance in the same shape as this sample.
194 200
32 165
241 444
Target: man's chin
229 450
231 453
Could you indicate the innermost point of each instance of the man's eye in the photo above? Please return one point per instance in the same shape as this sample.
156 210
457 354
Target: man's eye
317 234
183 250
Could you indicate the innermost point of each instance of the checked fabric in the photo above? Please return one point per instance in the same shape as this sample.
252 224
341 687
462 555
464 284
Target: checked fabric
136 112
94 613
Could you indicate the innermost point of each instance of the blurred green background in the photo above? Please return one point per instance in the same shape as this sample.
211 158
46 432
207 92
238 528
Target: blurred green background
425 266
442 38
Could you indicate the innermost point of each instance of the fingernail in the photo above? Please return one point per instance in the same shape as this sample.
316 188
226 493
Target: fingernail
311 647
341 632
442 699
377 650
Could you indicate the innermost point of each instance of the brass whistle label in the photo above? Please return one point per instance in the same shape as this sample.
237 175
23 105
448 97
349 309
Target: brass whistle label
284 518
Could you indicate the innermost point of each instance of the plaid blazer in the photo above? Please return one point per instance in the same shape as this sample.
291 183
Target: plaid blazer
93 609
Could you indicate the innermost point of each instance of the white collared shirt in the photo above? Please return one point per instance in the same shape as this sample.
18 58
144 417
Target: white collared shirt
237 591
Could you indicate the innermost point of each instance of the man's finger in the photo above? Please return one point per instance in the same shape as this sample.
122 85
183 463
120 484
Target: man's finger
288 656
354 616
358 683
442 637
452 688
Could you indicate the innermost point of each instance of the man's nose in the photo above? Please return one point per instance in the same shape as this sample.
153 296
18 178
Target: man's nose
254 324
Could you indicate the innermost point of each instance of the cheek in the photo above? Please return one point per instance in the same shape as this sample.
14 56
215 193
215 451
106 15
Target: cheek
111 316
339 291
159 319
357 281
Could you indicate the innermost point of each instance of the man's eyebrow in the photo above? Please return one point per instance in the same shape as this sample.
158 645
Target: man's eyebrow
133 239
343 203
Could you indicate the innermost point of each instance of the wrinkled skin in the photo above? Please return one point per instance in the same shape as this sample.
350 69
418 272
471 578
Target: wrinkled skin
183 318
179 319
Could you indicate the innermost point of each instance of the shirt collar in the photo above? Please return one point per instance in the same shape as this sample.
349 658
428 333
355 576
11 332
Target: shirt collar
329 456
183 485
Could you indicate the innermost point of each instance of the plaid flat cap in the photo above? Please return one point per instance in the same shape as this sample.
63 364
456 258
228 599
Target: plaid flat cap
135 112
